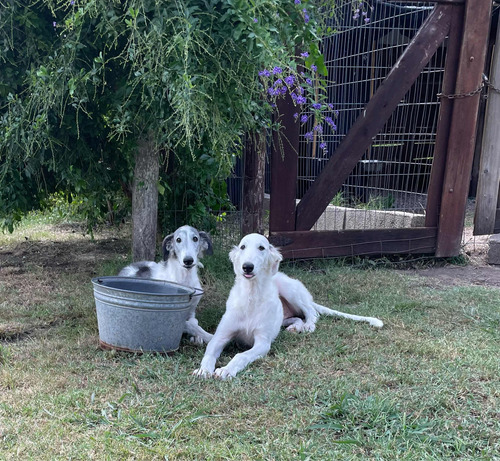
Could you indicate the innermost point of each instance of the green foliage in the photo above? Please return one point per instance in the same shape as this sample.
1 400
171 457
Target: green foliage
375 202
378 202
194 190
83 81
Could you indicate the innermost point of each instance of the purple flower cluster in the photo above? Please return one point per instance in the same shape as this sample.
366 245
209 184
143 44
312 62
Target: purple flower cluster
306 16
361 11
331 123
300 86
298 99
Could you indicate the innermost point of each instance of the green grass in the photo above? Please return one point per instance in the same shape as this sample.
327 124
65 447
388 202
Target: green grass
426 386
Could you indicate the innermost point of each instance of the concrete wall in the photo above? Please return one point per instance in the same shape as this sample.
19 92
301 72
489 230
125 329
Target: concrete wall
342 218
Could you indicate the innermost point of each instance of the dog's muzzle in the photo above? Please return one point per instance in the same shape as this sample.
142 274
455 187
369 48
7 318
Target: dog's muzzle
188 262
248 270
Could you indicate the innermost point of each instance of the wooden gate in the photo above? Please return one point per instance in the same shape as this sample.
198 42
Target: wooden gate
487 213
465 24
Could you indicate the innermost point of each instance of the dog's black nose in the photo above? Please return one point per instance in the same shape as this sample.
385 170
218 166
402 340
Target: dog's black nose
188 261
247 268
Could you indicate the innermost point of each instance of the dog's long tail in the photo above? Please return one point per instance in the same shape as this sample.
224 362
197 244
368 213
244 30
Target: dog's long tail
358 318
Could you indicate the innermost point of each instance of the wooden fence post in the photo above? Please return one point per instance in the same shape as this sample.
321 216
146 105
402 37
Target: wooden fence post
489 169
462 133
435 189
284 158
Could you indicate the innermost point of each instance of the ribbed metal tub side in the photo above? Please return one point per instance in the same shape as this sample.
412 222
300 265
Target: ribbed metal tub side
141 315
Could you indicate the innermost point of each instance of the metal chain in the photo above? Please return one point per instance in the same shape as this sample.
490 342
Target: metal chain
489 85
462 95
485 83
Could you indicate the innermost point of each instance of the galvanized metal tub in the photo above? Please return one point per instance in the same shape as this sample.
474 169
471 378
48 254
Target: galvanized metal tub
141 315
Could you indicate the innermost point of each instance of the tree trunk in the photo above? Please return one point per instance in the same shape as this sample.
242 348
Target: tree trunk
253 184
145 201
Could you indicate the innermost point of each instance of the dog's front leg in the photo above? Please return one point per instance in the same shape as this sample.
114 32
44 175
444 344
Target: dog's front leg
214 349
240 361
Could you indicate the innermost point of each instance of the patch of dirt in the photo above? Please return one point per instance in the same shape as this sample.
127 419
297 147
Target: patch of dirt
463 275
476 272
63 253
30 268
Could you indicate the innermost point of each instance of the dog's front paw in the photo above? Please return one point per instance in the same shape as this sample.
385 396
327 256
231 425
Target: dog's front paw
202 373
224 373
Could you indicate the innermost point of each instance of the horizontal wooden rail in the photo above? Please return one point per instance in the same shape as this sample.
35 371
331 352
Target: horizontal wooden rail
445 2
348 243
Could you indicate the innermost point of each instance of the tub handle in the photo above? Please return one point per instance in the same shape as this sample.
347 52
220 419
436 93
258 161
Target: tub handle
196 292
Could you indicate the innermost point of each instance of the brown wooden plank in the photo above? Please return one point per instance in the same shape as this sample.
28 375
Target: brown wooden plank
378 110
435 189
319 244
463 127
284 157
449 2
489 167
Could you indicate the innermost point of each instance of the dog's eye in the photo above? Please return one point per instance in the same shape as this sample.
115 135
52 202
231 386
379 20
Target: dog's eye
195 239
242 247
178 240
261 248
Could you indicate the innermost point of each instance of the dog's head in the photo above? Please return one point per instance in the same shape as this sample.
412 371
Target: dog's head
188 245
254 256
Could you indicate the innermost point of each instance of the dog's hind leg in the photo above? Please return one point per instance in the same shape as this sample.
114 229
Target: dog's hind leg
299 325
198 334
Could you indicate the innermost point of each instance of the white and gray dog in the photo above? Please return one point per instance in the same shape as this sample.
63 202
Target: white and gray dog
261 301
182 251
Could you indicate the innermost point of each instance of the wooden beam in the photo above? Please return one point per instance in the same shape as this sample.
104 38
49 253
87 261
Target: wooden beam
444 2
435 189
284 158
377 112
375 242
463 127
489 167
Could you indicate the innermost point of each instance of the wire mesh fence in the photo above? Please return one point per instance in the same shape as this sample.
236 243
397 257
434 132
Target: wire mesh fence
394 173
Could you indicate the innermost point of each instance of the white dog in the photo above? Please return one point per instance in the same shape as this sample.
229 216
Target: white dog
181 253
260 302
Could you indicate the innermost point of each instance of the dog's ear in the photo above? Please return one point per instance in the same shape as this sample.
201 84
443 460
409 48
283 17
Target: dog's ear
274 259
233 253
206 247
167 246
